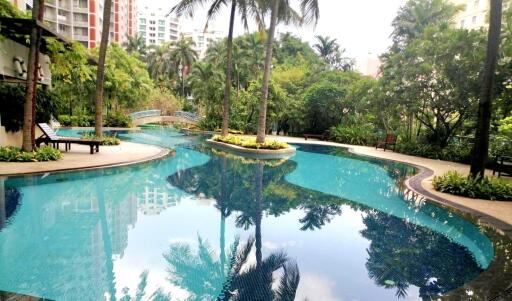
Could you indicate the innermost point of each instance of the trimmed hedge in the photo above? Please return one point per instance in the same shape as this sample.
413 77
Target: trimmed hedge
478 188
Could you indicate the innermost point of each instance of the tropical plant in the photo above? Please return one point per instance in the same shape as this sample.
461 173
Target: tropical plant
280 10
473 186
245 8
137 45
329 50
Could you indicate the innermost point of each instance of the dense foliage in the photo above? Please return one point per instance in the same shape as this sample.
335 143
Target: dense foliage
473 187
15 154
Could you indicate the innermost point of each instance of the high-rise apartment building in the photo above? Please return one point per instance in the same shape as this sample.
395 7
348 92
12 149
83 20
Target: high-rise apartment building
203 39
474 13
82 20
156 26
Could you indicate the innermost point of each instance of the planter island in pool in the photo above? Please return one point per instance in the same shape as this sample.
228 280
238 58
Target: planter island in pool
253 152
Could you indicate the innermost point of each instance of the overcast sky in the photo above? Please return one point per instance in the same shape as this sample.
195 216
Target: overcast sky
362 27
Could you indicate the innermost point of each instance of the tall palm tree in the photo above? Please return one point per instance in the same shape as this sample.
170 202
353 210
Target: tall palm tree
280 10
182 52
245 8
182 55
32 74
100 77
136 44
481 146
325 46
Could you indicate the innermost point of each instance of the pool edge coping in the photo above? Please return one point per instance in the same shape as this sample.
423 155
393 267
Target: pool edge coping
163 153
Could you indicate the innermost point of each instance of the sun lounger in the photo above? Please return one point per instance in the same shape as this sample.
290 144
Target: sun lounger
50 137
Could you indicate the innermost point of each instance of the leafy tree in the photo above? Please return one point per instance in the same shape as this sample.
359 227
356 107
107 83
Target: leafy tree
416 15
437 78
324 108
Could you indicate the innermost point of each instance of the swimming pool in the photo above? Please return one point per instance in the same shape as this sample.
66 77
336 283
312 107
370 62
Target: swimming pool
207 225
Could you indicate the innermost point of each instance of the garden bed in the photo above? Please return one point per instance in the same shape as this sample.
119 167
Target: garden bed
248 147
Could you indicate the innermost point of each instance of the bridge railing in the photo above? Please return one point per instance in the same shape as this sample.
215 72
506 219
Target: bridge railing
148 113
187 115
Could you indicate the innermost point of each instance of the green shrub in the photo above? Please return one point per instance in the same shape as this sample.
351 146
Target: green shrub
105 139
251 142
15 154
480 188
118 119
210 123
354 134
76 120
46 153
452 152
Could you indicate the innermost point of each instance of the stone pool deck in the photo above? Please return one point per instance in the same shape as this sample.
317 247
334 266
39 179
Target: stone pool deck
493 213
79 158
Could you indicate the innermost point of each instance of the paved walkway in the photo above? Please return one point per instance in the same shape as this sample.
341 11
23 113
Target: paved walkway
495 213
78 158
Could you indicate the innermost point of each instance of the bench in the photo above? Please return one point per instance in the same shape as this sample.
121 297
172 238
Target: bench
390 140
50 137
316 136
502 165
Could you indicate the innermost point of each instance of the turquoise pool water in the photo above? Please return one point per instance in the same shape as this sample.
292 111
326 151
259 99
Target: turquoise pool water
323 225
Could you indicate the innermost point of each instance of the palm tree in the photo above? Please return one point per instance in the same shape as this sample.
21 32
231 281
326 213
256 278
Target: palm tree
481 146
137 45
326 46
245 8
205 80
32 74
158 62
100 77
182 52
280 10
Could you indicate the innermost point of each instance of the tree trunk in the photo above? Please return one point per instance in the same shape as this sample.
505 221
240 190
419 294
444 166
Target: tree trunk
481 147
227 89
100 77
262 119
32 74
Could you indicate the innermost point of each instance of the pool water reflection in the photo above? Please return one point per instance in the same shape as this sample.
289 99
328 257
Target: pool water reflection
206 225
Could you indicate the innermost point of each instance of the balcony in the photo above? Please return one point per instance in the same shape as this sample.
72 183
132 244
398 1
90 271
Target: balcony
80 37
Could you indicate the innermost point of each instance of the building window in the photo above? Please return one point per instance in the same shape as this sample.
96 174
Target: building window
142 27
142 21
462 24
152 41
161 22
152 22
142 33
152 35
473 20
476 3
161 28
161 35
152 28
160 40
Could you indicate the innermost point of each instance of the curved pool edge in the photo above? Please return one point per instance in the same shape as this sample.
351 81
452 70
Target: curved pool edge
492 225
162 154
